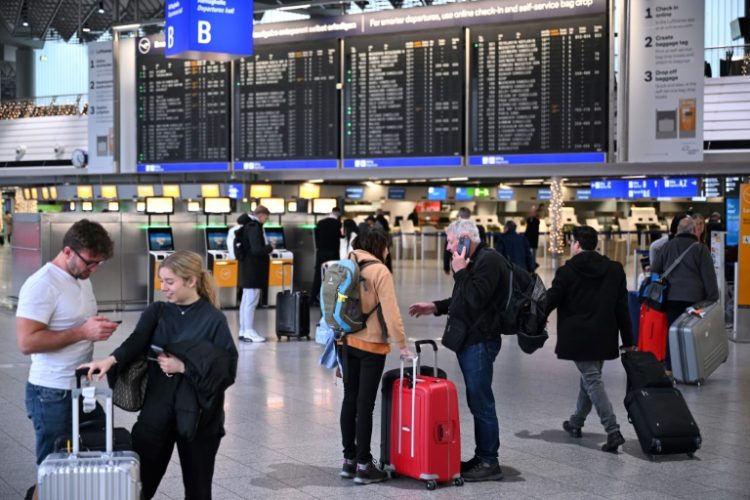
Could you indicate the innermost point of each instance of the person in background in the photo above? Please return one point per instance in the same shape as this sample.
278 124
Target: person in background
349 232
184 401
700 228
414 217
382 221
515 247
474 332
8 220
532 231
714 224
363 356
327 236
254 268
591 297
657 245
57 324
694 278
365 226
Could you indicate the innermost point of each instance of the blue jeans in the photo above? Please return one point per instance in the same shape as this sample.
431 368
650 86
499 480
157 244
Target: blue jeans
592 393
476 365
51 412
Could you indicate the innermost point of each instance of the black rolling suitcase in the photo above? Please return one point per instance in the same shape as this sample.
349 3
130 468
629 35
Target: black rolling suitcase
386 393
292 314
659 413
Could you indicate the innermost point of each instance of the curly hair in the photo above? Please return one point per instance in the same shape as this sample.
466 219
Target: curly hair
91 236
374 241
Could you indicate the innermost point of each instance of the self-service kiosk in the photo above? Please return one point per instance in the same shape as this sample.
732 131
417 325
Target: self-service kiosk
281 269
160 246
221 265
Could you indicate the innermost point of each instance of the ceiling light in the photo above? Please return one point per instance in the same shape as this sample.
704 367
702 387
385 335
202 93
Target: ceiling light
400 181
316 181
294 7
101 8
126 27
458 179
25 23
86 30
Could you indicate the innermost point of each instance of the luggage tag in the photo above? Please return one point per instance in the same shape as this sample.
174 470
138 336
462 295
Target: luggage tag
89 398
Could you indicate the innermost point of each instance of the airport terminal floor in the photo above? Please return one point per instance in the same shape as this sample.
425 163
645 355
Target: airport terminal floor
283 439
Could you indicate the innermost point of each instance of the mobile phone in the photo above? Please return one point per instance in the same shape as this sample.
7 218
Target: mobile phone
154 354
118 321
463 243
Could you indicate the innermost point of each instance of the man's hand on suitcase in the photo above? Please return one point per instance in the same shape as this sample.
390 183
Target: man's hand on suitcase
98 328
422 309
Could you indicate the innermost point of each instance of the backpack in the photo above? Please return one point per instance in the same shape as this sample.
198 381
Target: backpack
525 310
237 245
339 297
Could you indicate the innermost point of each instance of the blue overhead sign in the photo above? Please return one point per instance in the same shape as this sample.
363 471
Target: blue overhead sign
635 189
209 29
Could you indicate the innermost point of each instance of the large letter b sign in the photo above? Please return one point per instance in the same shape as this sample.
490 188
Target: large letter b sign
204 32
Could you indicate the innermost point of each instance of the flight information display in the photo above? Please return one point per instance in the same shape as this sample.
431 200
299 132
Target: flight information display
403 100
539 92
183 111
287 108
678 187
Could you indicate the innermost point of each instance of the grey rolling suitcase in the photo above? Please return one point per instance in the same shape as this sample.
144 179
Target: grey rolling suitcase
111 475
698 343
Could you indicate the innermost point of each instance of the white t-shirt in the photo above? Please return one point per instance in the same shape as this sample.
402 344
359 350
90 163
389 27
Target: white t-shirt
60 301
230 240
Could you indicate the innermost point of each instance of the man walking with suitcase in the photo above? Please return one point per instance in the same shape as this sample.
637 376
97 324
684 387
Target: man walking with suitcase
473 332
254 264
591 297
57 324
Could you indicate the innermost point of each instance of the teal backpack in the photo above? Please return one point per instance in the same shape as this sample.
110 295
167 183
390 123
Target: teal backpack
339 297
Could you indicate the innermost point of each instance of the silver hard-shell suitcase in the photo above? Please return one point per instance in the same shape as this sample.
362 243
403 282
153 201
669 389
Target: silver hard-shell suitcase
698 343
110 475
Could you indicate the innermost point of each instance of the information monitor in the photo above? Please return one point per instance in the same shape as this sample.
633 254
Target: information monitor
160 239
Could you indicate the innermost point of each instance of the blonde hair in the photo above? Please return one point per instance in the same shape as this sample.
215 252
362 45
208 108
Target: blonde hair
187 264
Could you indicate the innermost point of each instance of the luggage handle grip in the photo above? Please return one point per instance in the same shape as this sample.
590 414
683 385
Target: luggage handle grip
418 347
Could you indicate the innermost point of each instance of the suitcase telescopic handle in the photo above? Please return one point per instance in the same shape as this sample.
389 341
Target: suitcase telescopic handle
415 363
418 346
108 412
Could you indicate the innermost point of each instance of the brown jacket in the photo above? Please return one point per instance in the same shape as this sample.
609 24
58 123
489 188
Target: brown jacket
378 286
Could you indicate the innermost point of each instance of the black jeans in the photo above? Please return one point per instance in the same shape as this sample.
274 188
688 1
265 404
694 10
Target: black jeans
362 373
674 310
197 459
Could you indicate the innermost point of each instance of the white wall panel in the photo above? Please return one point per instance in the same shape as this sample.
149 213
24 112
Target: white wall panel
726 109
41 135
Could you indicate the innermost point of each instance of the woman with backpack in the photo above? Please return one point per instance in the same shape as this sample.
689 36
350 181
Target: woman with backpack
363 355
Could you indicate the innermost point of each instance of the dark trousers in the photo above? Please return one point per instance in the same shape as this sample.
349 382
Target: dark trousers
362 373
321 257
674 310
197 459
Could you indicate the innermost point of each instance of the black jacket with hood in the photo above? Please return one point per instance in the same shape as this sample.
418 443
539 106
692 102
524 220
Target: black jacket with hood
591 297
254 266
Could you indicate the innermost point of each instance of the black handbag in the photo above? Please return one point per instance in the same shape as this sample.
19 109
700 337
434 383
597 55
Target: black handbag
654 290
129 390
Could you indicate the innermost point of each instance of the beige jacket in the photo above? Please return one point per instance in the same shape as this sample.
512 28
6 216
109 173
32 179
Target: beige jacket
378 286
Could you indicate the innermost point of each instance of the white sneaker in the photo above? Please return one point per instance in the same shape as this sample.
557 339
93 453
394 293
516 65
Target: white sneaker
254 336
244 336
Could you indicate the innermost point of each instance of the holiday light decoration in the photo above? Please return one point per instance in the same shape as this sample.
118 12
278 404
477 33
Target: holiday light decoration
556 242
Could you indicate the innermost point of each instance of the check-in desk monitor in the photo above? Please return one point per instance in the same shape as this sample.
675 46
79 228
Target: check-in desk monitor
223 268
160 242
281 269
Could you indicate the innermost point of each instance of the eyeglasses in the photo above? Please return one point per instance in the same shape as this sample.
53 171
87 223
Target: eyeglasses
90 264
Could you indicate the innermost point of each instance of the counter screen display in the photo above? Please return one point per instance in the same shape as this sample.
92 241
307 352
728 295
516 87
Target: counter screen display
216 239
160 239
437 193
396 193
275 237
183 107
403 95
539 87
287 103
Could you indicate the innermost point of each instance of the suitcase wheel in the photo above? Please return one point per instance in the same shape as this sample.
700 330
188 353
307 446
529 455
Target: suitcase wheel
459 481
431 485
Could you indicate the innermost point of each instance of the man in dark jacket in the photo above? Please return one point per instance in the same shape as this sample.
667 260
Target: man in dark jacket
591 297
694 278
327 236
253 270
463 213
532 231
515 247
473 331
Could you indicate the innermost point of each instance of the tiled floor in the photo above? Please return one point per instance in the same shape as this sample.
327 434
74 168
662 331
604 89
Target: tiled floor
283 438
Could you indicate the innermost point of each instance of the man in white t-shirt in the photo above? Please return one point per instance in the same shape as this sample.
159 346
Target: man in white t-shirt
57 324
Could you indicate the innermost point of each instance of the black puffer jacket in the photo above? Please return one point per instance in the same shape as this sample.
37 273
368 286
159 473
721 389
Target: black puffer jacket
254 267
477 291
591 297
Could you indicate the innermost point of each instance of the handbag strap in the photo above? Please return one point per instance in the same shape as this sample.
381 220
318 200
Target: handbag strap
679 259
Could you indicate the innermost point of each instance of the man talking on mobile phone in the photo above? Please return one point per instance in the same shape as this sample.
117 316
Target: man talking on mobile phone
473 332
57 324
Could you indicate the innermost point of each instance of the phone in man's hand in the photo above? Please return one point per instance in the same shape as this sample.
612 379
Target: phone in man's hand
463 243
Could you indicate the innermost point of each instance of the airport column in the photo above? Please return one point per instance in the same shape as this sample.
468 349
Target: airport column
741 331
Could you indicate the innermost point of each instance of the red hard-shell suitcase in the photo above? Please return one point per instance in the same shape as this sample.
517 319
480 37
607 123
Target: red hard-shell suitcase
426 441
653 330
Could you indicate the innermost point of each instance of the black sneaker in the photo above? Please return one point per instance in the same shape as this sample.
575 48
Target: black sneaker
571 429
614 440
369 474
483 472
348 469
467 466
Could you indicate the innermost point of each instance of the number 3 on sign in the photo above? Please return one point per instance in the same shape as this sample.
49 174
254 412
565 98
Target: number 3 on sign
647 77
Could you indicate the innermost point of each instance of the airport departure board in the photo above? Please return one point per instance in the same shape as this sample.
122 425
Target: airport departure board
183 108
286 104
540 87
403 95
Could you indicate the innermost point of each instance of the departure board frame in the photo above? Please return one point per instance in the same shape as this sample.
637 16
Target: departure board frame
540 92
404 100
180 130
282 88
